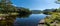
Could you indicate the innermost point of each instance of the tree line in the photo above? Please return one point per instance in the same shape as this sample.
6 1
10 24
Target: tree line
54 18
6 7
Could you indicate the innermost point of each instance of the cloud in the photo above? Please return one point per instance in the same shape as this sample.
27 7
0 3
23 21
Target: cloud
14 5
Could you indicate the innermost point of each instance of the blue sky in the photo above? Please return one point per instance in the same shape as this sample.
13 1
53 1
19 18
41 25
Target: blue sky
36 4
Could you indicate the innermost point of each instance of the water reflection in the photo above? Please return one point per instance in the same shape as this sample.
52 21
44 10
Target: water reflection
32 20
8 20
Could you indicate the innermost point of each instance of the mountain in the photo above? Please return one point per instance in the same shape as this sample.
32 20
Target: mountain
36 11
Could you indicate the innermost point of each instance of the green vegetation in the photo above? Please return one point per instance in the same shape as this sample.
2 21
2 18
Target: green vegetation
54 18
24 12
8 12
57 1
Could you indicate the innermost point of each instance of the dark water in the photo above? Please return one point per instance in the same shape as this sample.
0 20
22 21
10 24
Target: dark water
32 20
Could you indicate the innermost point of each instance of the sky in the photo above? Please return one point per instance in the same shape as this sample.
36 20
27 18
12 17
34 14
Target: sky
36 4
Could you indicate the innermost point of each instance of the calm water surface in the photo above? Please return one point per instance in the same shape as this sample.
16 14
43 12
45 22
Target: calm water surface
32 20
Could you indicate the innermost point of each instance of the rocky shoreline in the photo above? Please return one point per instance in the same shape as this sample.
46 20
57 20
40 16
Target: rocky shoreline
41 23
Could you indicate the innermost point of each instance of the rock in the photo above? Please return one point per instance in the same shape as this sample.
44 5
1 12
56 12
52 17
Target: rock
41 23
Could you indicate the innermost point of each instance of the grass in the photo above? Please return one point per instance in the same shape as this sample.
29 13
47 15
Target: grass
54 18
9 14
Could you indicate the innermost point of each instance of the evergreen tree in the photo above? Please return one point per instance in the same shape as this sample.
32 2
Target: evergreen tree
6 6
57 2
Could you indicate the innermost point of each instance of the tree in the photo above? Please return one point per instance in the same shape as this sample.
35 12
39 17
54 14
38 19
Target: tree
23 12
6 7
55 17
57 2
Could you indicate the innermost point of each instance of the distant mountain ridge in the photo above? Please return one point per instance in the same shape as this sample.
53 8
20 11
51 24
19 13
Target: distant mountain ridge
36 11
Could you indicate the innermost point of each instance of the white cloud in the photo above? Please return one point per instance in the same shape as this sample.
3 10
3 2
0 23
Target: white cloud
13 4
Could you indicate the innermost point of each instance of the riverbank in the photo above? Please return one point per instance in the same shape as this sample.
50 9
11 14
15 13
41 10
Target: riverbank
53 20
2 16
8 14
41 23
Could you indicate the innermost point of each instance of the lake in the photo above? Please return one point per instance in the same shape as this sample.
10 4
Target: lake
32 20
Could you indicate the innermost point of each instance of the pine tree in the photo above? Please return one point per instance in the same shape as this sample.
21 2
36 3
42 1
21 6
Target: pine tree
6 6
2 4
